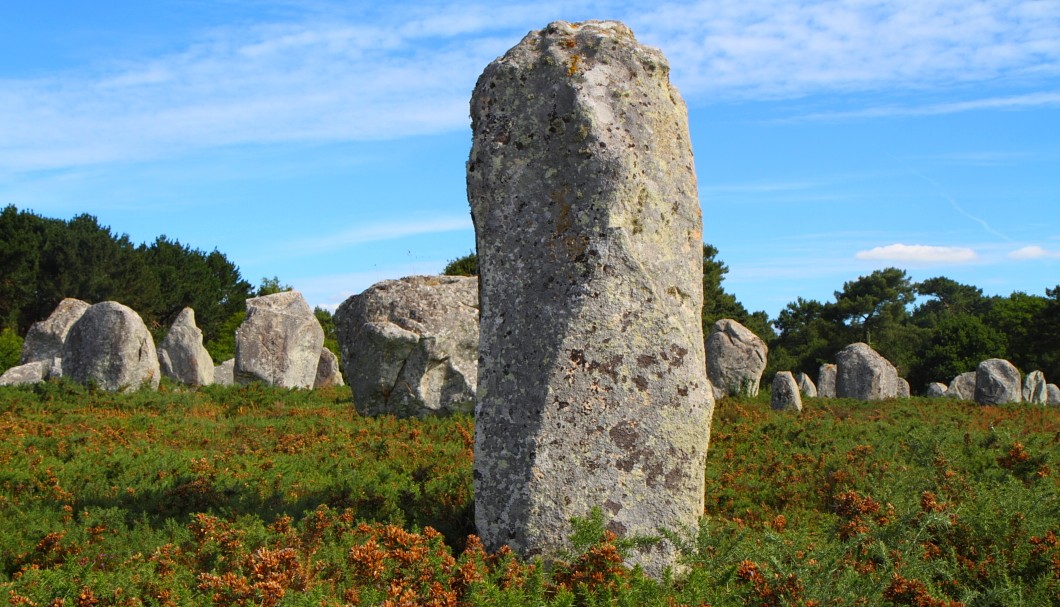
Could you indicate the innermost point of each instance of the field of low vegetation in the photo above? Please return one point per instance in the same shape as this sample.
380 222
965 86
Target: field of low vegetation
258 496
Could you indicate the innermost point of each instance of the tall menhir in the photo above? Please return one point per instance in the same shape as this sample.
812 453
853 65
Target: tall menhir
592 386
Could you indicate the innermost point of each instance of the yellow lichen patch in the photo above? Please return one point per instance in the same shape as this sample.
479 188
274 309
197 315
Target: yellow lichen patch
575 61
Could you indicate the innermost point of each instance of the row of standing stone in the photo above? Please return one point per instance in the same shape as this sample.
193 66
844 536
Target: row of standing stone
108 345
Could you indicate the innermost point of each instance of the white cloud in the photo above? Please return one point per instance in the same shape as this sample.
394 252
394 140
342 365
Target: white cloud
375 233
1016 102
1033 252
918 254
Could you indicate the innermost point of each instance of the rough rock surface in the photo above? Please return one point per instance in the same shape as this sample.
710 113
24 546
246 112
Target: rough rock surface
903 388
111 346
1034 388
279 343
410 346
936 390
181 354
736 358
806 385
826 381
27 373
1052 393
592 384
328 373
784 395
997 382
224 374
864 374
962 387
44 340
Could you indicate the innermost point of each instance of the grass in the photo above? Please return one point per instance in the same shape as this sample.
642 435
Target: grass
257 496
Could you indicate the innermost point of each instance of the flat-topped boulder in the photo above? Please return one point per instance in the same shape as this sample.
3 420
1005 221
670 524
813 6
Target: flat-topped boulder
110 346
27 373
279 343
936 390
410 346
736 359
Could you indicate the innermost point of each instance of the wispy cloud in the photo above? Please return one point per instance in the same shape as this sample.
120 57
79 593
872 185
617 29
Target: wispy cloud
1015 102
374 233
1033 252
336 71
918 254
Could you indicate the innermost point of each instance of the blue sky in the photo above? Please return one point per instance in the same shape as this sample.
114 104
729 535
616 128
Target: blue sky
324 142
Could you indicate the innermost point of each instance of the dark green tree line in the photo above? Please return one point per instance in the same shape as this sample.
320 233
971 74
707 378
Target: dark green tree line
43 260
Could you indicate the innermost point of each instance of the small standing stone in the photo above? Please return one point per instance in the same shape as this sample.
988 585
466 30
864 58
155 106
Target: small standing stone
864 374
1034 388
224 373
736 358
826 381
328 373
111 347
962 387
44 340
903 388
181 354
785 393
997 382
279 343
28 373
806 386
936 390
592 383
1052 393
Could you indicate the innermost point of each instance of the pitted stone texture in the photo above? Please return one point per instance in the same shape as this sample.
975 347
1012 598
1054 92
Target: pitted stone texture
279 343
44 340
111 347
224 374
736 359
181 354
806 385
997 382
962 387
592 384
784 394
826 381
328 373
28 373
410 346
1052 394
903 388
936 390
864 374
1034 388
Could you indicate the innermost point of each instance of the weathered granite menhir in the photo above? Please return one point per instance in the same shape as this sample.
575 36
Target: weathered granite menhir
110 346
592 387
736 359
279 343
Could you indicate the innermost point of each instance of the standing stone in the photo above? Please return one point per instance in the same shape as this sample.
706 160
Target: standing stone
806 386
863 374
410 346
785 395
903 388
28 373
279 343
962 387
592 381
1034 388
997 382
736 358
182 356
826 381
224 373
1052 394
111 347
44 340
328 373
936 390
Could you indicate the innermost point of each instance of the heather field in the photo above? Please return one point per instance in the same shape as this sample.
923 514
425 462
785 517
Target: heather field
259 496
